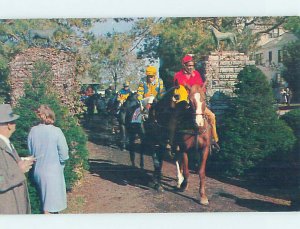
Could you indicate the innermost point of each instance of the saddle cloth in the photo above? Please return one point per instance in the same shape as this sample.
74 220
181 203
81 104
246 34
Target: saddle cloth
137 116
182 94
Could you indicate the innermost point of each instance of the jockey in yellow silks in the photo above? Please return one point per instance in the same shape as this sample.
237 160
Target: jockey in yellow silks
124 93
150 87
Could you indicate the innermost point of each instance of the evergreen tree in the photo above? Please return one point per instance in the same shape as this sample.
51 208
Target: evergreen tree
251 130
291 71
39 90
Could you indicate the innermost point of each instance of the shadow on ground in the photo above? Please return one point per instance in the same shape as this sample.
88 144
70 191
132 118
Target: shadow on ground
120 174
128 175
257 205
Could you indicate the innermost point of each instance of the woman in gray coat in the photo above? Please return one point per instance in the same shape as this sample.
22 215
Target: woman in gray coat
48 145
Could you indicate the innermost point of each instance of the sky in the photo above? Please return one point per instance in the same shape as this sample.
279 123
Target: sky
102 28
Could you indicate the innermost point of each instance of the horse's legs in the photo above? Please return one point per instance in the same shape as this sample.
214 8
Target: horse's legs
179 175
179 172
131 148
123 136
157 162
142 145
203 197
142 159
186 172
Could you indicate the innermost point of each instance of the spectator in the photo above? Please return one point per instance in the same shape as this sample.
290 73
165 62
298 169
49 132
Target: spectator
14 197
288 96
283 96
48 144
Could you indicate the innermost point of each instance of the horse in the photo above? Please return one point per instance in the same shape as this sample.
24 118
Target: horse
162 116
219 36
47 34
136 121
89 102
194 135
101 105
112 108
131 120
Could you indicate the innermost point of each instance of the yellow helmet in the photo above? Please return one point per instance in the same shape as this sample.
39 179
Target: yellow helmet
126 84
151 71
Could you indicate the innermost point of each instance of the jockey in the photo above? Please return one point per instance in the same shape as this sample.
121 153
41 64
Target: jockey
150 87
110 92
124 93
188 77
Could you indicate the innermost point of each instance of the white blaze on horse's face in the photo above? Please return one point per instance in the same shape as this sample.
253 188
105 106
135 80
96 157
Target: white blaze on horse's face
198 109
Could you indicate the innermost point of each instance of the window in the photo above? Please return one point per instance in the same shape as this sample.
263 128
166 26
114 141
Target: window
280 56
270 57
258 59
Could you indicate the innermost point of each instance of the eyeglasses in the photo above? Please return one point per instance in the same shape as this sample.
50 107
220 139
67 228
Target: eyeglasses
190 65
150 76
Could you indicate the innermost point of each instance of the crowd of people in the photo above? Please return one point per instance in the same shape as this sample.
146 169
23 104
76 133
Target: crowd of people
49 150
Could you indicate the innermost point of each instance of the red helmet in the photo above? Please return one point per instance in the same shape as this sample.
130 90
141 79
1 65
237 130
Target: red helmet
186 58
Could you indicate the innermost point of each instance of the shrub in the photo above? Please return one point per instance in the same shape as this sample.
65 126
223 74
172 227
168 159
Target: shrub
292 118
39 90
250 130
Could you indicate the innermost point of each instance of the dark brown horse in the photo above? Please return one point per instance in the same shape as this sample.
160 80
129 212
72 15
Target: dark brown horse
195 137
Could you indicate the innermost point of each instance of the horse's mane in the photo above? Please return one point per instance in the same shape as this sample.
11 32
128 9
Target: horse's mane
197 89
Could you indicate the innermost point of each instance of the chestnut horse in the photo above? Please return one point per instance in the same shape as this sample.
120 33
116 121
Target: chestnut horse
195 137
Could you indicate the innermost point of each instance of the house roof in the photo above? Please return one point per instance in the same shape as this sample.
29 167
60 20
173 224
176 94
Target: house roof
280 41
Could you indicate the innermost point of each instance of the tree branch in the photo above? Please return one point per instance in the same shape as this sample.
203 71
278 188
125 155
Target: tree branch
280 22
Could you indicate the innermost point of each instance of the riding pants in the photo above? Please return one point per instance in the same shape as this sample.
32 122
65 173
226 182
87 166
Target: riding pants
212 121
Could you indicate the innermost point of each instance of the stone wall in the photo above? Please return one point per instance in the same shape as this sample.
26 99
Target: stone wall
62 64
221 70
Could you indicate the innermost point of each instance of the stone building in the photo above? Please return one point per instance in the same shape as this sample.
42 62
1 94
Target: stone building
221 71
62 64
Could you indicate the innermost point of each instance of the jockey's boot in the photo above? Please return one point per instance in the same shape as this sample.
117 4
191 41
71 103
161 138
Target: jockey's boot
168 145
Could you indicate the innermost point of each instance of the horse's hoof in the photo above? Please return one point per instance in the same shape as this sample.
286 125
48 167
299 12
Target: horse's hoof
184 186
204 201
169 154
159 188
180 179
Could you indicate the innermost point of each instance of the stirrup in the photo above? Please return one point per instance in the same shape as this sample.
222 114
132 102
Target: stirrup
168 146
215 146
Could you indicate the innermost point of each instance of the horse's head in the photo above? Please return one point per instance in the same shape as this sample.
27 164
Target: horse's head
131 101
197 99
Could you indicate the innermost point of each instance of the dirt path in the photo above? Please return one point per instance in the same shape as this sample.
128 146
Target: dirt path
113 186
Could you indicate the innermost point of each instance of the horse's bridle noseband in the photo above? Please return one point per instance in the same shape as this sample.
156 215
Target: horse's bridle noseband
199 114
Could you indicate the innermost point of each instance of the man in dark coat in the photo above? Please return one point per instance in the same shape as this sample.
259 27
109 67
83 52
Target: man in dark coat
14 197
